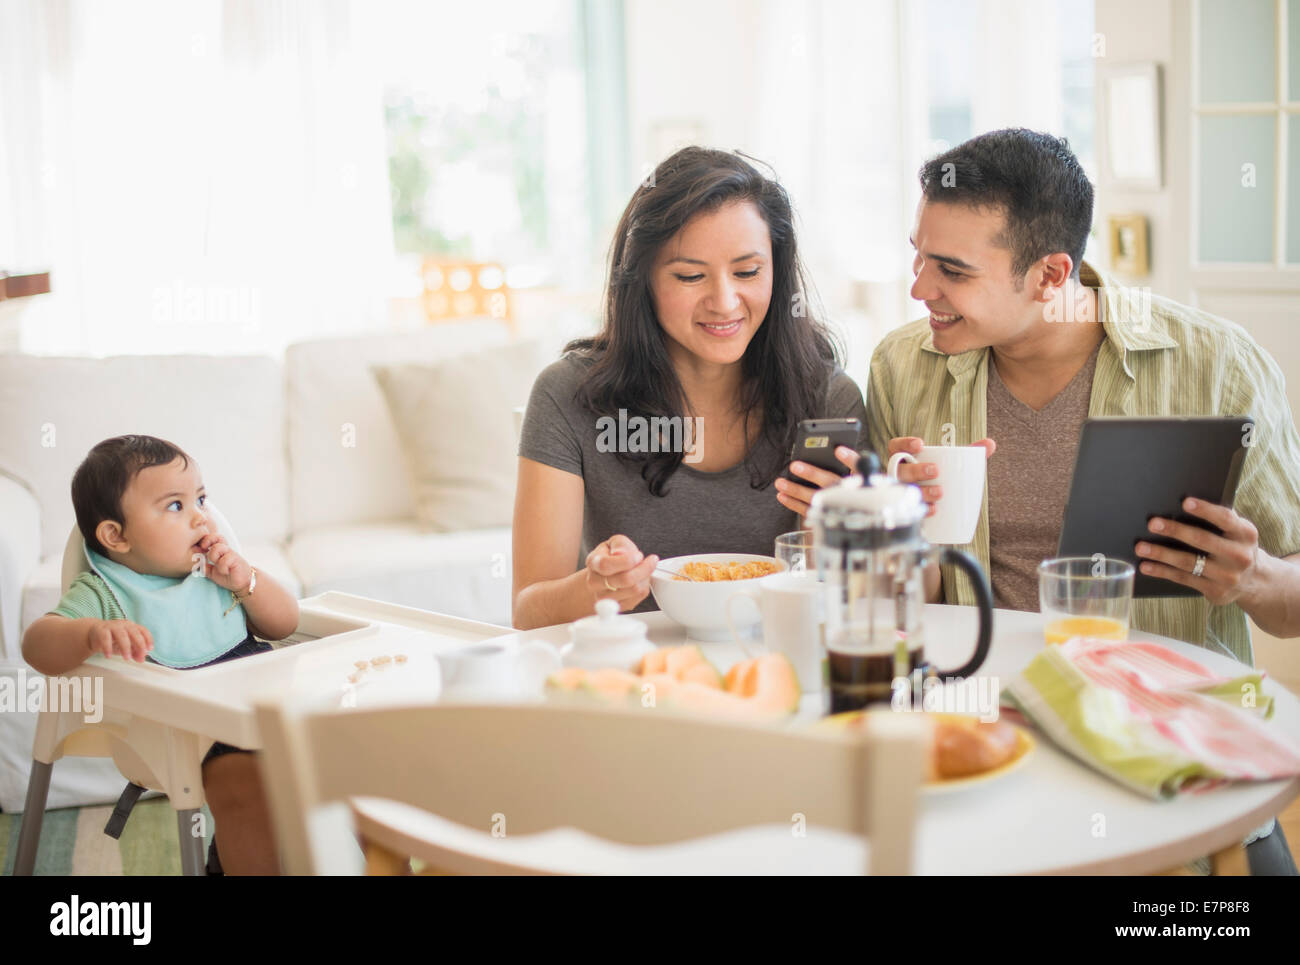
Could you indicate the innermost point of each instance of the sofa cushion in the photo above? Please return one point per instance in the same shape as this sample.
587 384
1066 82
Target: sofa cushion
225 411
345 460
465 574
455 420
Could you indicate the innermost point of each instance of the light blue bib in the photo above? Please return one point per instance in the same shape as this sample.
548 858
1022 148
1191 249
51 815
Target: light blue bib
183 615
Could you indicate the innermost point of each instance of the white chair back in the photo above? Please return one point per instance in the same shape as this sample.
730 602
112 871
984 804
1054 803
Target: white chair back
634 777
74 557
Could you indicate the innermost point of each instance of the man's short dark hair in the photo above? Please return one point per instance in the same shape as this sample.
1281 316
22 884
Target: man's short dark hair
101 480
1034 179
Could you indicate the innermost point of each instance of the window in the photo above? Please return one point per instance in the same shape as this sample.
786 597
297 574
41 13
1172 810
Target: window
1246 95
485 116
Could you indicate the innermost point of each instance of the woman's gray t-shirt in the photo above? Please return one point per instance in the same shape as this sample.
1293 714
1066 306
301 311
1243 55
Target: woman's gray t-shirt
701 512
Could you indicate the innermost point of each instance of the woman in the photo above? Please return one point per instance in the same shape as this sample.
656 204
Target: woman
706 330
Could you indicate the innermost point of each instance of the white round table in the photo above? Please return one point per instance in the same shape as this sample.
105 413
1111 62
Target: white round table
1053 815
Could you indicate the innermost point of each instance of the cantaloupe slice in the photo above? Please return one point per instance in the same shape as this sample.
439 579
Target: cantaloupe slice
683 663
570 678
761 688
611 683
769 680
656 661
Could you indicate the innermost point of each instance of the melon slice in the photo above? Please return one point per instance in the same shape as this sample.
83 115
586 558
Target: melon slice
680 678
683 663
770 680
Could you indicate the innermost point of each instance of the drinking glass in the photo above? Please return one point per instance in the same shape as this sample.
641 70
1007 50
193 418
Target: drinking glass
1085 596
796 551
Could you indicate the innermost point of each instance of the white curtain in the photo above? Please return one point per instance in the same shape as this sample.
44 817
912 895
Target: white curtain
207 176
836 95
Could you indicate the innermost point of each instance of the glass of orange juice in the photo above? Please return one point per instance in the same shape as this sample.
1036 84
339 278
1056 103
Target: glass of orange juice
1085 596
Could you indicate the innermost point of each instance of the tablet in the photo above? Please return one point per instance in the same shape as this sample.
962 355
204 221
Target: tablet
1128 470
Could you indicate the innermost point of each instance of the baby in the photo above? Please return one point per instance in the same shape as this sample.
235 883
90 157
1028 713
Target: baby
165 586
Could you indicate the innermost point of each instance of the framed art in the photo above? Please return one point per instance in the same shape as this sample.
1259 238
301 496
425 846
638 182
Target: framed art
1134 156
1128 245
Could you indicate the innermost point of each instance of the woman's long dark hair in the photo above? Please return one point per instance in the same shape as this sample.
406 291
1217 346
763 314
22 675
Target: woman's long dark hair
785 368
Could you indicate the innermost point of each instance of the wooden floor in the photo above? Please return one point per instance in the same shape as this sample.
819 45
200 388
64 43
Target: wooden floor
1281 659
1290 823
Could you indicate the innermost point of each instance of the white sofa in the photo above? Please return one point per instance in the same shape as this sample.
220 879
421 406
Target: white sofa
302 457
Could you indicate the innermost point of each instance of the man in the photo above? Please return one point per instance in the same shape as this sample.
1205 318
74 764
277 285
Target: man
1024 341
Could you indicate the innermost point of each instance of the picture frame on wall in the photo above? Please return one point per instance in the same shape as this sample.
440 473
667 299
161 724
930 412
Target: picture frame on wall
1134 154
1128 245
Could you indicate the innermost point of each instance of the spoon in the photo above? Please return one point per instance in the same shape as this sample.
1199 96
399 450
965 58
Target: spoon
675 576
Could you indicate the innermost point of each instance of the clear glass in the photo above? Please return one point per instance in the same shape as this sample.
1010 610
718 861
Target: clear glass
797 551
1236 192
1237 51
1082 596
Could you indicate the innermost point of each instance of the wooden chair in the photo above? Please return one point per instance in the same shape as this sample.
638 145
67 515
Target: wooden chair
635 777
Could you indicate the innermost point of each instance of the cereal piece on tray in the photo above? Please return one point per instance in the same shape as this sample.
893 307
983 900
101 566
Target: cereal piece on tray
362 664
381 661
400 658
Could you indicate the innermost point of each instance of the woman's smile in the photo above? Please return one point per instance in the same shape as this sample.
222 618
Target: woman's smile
723 329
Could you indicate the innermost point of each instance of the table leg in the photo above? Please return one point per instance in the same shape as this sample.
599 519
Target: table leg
382 861
1230 861
192 862
38 789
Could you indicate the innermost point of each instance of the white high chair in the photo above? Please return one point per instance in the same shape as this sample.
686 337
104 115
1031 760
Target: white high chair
149 755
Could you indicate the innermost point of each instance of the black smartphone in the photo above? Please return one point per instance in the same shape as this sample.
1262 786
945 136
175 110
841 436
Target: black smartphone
818 439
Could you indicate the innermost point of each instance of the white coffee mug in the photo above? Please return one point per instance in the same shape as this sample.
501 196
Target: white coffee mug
961 474
793 611
498 671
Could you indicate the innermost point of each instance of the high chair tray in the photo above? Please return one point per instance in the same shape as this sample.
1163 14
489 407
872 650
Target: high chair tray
337 633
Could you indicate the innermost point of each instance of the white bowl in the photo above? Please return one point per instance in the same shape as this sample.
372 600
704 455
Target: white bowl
702 607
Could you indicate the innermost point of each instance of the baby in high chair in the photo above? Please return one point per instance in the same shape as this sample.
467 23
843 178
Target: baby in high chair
164 585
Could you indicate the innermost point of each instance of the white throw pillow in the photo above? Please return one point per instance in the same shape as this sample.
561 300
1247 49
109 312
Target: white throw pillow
456 423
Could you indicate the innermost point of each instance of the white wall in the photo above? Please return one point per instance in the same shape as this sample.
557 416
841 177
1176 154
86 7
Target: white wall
1135 32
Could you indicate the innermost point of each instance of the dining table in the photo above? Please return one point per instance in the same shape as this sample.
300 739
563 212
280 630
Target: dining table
1053 814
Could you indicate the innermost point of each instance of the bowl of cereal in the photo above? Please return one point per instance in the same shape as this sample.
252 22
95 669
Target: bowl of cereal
693 590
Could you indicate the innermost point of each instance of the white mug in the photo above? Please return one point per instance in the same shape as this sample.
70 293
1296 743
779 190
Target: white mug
961 474
793 611
498 671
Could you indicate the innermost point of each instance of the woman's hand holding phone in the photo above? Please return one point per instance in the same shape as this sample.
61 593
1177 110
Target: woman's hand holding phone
798 497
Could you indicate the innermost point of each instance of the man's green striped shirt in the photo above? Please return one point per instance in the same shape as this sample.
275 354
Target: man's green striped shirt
1159 358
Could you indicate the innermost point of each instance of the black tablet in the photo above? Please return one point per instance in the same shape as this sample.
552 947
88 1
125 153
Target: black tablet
1129 470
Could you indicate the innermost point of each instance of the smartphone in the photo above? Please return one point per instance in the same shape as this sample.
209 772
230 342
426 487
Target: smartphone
818 439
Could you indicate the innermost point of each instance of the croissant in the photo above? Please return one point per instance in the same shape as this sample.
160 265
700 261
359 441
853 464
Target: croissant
963 746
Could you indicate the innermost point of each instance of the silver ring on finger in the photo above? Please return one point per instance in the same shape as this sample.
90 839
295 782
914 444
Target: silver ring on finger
1199 568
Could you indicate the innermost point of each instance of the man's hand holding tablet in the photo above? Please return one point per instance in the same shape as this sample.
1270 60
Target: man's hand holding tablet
1225 568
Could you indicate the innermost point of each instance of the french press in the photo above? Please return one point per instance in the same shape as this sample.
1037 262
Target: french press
871 558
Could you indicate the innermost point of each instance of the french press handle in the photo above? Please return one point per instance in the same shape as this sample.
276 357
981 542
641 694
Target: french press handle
983 600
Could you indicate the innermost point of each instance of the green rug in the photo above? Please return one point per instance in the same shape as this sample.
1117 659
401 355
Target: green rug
73 841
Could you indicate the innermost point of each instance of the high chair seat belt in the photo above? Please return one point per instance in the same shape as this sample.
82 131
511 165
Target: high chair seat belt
122 811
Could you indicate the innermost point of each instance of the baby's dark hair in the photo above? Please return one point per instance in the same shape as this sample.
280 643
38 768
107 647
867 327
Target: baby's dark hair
101 480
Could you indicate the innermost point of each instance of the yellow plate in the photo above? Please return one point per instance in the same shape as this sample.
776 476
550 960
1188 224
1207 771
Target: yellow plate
1025 745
